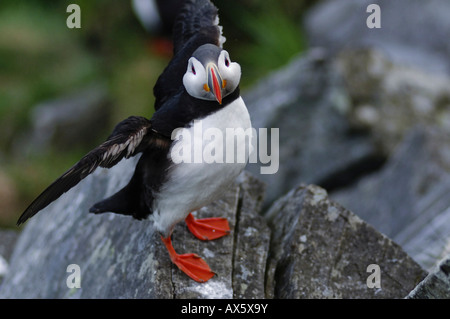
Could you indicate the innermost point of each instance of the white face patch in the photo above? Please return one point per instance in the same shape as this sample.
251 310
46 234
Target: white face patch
230 72
195 80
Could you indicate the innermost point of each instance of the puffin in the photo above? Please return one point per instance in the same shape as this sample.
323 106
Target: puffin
158 17
198 89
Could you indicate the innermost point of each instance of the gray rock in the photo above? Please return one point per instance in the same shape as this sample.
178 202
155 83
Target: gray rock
252 239
321 250
396 77
317 249
307 101
436 285
73 117
413 32
408 199
124 258
389 99
8 240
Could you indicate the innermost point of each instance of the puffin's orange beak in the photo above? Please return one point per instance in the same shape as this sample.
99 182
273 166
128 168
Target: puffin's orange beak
215 82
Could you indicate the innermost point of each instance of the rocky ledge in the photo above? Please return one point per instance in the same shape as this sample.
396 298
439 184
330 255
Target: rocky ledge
368 120
307 247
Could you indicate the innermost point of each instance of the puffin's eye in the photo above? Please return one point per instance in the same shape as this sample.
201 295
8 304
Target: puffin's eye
227 62
193 70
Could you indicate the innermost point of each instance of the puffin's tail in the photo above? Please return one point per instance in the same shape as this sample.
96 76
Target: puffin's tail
127 201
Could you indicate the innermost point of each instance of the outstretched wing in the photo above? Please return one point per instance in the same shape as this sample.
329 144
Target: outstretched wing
197 16
197 23
129 137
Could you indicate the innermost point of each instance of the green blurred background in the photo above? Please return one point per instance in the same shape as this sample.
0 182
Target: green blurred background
41 59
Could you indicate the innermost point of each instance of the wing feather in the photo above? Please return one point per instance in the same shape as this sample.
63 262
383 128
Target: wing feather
195 17
129 137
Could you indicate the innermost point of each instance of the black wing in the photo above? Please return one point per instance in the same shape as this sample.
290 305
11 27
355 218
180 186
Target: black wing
129 137
197 16
196 24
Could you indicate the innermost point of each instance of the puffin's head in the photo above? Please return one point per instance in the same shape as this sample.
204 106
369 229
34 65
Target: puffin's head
210 74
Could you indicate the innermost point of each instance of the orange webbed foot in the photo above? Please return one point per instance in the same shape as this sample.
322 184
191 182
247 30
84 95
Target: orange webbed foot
207 228
191 264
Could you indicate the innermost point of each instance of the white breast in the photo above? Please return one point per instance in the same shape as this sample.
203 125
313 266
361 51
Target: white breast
191 185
